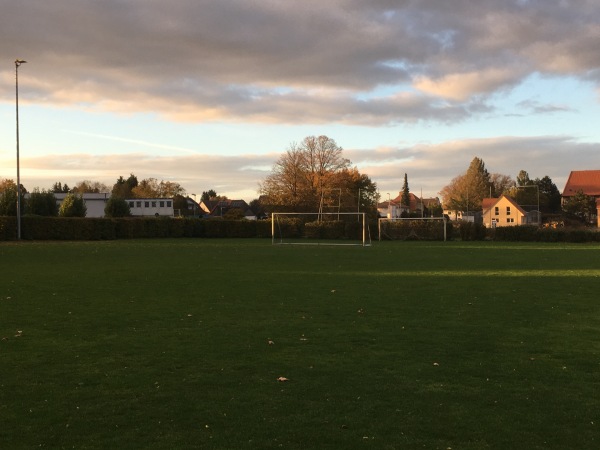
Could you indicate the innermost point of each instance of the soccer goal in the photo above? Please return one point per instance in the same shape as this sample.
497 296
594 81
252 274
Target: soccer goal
339 228
411 228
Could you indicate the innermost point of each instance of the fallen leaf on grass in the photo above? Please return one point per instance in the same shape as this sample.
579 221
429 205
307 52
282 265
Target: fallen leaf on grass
436 364
282 379
270 342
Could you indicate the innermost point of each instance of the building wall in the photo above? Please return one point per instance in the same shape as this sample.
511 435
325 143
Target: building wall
95 203
503 214
151 206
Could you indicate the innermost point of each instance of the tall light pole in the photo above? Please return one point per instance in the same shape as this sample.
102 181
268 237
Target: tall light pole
18 62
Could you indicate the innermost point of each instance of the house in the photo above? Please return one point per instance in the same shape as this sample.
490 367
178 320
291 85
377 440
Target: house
503 212
218 208
151 207
586 181
388 209
417 206
94 202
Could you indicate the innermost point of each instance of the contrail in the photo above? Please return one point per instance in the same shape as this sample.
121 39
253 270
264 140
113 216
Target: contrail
133 141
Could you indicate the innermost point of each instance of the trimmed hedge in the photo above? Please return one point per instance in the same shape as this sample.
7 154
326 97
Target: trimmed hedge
527 233
77 228
415 230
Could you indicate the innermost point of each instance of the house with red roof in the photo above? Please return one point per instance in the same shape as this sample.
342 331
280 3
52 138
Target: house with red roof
586 181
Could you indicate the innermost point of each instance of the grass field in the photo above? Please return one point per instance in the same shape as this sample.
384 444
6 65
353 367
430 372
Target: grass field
161 344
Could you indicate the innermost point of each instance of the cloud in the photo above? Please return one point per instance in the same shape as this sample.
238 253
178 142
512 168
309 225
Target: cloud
462 86
268 61
429 166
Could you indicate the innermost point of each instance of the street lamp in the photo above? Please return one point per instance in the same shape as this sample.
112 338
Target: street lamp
18 62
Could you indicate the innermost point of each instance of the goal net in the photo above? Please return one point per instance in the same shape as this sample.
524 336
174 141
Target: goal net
341 228
423 228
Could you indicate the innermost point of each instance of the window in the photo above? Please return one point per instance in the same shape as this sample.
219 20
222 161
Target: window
154 204
131 204
497 211
168 203
508 210
162 204
138 204
510 220
147 204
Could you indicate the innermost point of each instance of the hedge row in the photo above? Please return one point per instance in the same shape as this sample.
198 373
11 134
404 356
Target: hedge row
294 227
75 228
62 228
527 233
427 230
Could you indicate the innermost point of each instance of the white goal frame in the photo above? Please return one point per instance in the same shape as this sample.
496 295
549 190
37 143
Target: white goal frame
362 217
398 219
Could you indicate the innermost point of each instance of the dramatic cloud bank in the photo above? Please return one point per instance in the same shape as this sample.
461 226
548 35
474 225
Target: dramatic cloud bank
310 61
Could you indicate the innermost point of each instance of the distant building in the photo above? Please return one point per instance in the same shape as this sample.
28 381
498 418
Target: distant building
218 208
417 206
94 202
586 181
502 212
151 207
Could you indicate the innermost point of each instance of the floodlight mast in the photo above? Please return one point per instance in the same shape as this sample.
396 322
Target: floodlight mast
18 63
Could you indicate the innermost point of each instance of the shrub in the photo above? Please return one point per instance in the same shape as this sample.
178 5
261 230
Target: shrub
117 207
72 206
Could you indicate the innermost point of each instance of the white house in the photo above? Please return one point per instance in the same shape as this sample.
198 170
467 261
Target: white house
94 203
151 207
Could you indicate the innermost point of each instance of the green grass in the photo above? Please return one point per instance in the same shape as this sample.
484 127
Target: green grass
162 344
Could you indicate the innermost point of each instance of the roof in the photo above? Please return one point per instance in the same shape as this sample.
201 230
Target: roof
489 203
587 181
220 207
415 201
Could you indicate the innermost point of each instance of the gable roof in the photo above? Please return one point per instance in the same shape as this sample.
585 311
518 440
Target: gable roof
220 207
489 203
415 201
587 181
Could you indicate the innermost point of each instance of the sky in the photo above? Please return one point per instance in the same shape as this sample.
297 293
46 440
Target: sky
209 94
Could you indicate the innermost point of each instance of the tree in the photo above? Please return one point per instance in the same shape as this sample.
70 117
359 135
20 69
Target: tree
123 187
8 198
117 207
208 195
181 205
89 187
501 184
523 179
41 203
314 175
550 197
59 188
234 214
72 206
405 199
581 207
151 188
466 192
257 208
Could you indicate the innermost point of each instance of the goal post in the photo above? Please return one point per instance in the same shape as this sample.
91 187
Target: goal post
320 228
413 228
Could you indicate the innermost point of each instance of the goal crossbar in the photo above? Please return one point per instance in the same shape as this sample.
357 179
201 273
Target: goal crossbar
362 219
